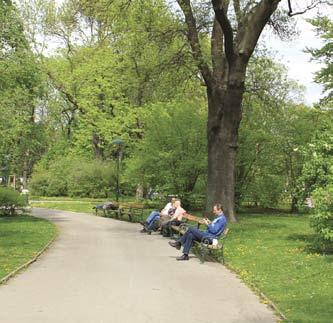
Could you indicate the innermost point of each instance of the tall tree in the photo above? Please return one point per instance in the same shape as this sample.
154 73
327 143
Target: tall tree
324 28
237 26
20 93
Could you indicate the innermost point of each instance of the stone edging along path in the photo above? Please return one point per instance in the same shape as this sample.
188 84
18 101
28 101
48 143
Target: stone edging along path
32 260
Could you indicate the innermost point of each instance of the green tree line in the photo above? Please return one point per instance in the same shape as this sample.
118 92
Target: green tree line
129 70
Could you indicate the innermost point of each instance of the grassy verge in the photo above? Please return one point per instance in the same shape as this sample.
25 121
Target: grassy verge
273 253
65 199
21 238
74 206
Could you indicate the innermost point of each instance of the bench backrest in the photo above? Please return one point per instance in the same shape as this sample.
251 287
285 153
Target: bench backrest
224 233
194 218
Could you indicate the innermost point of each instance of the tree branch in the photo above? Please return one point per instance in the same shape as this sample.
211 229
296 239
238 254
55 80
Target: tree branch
253 24
221 16
238 11
62 90
193 38
218 57
309 7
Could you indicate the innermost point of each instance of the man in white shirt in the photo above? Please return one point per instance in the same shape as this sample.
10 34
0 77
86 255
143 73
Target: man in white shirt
155 215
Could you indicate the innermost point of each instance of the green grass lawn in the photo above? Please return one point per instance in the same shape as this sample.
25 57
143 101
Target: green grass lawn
75 205
21 238
272 253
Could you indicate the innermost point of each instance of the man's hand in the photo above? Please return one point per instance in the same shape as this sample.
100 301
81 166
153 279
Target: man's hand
207 221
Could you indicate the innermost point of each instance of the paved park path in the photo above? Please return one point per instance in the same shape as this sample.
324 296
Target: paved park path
103 270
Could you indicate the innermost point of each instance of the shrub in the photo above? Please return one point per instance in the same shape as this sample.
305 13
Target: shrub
91 179
75 177
39 183
9 199
322 219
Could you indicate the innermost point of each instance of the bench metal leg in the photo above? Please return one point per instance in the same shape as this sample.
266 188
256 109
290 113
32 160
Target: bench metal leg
203 250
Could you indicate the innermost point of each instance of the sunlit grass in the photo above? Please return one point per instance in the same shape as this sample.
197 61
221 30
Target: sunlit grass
21 238
273 253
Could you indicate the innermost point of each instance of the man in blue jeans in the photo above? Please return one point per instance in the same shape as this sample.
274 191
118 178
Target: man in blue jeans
155 215
214 230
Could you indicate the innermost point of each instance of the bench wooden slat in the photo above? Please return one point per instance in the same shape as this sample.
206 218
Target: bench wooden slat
194 218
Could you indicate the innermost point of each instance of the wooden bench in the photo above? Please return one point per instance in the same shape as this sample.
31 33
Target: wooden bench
108 209
133 212
205 246
181 229
118 212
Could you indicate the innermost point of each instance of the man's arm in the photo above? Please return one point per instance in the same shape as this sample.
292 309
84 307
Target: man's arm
218 226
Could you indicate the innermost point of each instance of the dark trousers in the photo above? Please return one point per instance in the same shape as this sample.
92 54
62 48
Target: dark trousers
166 228
191 235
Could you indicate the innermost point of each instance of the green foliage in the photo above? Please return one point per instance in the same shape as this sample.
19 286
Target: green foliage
21 89
322 219
70 176
9 199
317 171
271 135
324 28
91 179
172 154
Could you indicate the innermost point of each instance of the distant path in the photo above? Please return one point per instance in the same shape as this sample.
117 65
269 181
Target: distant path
103 270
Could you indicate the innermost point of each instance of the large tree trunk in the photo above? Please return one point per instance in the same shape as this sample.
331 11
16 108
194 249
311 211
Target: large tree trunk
231 50
224 116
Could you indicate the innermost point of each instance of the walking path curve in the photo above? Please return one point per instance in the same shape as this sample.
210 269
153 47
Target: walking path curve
101 270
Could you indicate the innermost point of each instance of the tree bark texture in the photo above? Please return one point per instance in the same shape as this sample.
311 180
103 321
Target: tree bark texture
224 116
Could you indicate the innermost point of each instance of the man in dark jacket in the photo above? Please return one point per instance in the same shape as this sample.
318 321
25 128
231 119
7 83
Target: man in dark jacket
214 230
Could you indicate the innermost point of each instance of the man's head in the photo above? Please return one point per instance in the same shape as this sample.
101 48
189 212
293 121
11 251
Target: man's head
217 209
177 203
173 200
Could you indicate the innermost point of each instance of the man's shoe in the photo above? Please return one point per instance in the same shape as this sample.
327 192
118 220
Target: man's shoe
149 232
183 257
143 230
176 245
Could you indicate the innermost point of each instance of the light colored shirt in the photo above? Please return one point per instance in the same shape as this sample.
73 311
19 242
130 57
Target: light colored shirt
178 215
166 209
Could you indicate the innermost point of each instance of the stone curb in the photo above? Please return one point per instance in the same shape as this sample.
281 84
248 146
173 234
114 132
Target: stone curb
29 262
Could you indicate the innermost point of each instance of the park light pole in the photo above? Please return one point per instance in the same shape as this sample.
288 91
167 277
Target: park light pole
119 143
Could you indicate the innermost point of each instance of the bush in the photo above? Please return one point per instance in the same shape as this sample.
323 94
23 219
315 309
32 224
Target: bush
9 199
91 179
75 177
39 183
322 219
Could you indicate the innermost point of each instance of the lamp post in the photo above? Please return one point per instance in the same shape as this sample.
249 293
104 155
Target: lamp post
119 143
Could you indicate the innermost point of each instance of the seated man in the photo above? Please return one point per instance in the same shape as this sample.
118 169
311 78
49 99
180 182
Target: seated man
176 219
214 230
154 216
